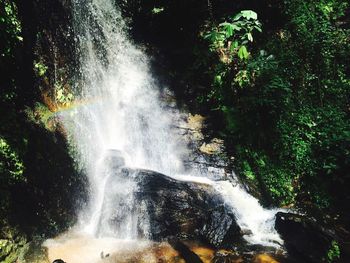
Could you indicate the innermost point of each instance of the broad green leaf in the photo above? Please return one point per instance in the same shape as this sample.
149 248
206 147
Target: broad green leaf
258 28
249 14
237 17
228 28
235 27
243 52
250 37
233 46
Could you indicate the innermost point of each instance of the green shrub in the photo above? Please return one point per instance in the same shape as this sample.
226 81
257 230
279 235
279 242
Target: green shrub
11 166
333 252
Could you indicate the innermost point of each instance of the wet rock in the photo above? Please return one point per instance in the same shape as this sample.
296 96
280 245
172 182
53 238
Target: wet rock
304 238
206 253
184 251
208 154
195 124
186 209
167 207
215 146
114 159
246 232
264 258
226 256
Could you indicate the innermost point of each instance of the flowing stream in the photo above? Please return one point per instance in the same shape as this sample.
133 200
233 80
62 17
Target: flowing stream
121 110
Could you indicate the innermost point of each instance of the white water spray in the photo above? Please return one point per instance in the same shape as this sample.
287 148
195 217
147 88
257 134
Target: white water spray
120 109
119 106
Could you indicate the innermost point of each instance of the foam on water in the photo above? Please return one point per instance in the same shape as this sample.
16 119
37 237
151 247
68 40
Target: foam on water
250 215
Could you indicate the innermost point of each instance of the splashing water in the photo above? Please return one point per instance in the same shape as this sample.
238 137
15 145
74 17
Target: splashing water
127 115
250 215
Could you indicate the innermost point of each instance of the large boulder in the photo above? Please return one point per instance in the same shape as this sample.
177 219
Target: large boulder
185 209
162 207
304 238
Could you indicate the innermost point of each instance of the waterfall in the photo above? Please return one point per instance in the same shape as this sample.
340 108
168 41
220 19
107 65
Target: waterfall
117 107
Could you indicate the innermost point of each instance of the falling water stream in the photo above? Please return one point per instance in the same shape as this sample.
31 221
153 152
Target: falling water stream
124 112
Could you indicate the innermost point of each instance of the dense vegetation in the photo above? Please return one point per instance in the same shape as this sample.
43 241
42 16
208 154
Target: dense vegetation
274 81
286 103
38 183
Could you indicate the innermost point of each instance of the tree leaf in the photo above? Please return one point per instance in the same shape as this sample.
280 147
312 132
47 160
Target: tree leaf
249 14
258 28
243 52
228 28
237 17
250 37
235 27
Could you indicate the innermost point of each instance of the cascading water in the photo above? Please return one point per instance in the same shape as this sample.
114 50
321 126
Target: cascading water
120 110
120 107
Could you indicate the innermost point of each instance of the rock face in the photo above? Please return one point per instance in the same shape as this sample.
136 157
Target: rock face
208 154
185 209
165 207
304 238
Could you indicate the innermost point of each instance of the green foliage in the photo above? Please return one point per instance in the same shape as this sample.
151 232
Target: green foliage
229 43
11 166
247 171
40 69
13 246
63 95
231 37
285 101
157 10
297 136
10 42
333 252
277 182
41 115
10 27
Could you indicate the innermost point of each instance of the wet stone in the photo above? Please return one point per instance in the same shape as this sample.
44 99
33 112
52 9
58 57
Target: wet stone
172 208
